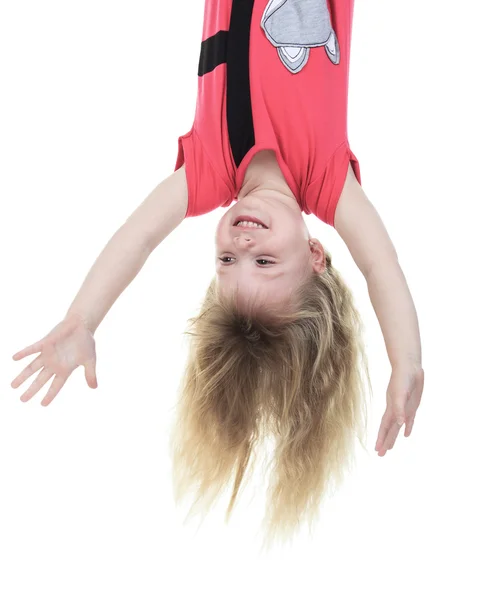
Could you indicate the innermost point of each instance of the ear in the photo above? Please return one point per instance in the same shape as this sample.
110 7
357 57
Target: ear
318 255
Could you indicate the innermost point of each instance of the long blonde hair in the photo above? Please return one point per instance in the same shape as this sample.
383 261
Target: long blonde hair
295 376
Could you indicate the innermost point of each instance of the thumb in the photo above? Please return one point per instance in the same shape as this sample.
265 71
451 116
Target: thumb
90 373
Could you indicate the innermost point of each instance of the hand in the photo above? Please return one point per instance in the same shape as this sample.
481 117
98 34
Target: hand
403 398
69 345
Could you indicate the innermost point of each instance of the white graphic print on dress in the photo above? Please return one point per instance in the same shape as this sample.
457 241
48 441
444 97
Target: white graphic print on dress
295 26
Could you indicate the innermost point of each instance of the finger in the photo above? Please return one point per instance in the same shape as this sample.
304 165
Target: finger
399 421
37 347
390 438
384 429
392 441
409 427
54 389
90 373
395 417
41 379
29 370
52 337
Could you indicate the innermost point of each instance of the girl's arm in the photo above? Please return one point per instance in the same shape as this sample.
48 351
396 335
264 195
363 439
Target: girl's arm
361 228
128 249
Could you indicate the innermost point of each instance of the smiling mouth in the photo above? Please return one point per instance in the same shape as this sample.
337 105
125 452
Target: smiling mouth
249 223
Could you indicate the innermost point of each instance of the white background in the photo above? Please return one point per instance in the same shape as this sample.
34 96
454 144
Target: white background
93 97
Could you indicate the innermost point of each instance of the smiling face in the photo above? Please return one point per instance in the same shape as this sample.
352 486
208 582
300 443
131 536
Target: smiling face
265 262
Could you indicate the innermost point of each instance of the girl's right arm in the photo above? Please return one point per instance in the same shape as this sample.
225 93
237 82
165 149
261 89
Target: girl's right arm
128 249
71 343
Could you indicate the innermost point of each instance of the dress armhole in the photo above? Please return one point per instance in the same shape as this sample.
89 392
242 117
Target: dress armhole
206 189
324 192
184 156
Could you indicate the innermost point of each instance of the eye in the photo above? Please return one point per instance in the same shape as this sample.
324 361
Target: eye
226 260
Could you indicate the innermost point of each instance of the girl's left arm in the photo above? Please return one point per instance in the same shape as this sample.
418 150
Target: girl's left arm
360 226
366 237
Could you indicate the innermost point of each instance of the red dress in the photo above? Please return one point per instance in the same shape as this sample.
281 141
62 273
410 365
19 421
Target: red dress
273 74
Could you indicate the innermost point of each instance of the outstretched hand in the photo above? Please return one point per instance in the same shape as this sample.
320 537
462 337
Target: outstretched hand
403 398
69 345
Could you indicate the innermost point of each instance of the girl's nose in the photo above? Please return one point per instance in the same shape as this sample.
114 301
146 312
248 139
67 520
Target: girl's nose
243 240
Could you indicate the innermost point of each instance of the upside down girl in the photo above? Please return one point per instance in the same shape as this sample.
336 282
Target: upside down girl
277 349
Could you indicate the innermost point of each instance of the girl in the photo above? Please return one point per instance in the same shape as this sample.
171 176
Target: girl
276 351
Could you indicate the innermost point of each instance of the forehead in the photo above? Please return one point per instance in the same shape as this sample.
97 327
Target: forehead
258 291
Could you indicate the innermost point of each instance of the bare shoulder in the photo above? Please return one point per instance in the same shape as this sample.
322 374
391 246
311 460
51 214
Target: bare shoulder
163 209
360 226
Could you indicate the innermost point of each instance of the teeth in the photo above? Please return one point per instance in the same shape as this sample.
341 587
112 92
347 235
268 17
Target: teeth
249 224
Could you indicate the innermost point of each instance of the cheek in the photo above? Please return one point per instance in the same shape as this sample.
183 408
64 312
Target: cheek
298 253
219 237
219 229
294 242
221 240
224 222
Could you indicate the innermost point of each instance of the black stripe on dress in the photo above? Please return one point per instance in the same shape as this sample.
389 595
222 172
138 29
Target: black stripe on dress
213 52
239 112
